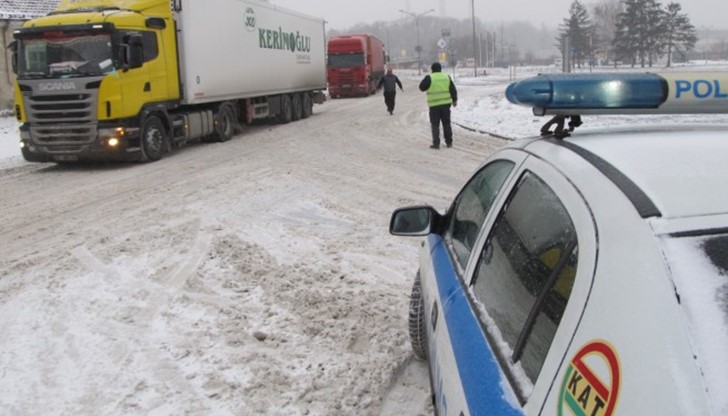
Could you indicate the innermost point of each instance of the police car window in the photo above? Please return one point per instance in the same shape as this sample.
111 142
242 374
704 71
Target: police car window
471 207
525 272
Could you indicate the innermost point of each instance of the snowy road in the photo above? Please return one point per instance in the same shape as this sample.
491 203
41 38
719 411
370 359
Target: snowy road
250 277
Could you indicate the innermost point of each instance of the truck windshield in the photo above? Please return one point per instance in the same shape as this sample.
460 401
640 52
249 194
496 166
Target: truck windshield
64 54
347 60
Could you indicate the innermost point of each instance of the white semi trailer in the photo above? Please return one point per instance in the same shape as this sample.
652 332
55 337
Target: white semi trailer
133 79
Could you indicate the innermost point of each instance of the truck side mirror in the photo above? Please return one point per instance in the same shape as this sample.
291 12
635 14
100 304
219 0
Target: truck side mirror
133 52
156 23
13 46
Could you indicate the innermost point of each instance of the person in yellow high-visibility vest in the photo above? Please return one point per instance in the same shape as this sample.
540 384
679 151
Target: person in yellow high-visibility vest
441 94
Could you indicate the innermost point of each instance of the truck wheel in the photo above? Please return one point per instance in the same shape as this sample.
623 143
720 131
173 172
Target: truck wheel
224 123
286 113
297 107
153 139
418 336
307 105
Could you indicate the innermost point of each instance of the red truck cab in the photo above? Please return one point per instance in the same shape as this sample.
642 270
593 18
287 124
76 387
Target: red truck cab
355 65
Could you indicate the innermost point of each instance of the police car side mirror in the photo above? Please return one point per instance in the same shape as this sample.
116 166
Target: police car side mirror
413 221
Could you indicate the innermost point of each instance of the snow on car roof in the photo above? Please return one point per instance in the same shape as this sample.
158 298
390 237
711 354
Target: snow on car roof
682 169
697 265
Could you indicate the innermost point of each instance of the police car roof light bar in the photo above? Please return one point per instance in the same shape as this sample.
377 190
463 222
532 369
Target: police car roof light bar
574 95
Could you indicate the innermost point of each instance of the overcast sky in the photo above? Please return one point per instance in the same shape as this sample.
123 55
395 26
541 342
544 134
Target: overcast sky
342 14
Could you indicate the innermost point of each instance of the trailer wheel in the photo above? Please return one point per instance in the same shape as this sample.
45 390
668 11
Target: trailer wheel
297 106
286 111
307 105
418 336
153 139
224 123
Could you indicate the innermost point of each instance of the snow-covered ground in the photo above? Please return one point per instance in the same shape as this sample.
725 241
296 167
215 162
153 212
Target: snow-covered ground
484 108
242 278
9 150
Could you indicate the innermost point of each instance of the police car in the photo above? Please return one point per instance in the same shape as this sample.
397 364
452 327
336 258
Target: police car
583 272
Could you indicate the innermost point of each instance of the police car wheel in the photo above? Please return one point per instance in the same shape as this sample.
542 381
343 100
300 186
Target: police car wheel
417 320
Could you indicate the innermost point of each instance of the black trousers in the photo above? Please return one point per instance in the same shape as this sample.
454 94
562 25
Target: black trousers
389 99
440 114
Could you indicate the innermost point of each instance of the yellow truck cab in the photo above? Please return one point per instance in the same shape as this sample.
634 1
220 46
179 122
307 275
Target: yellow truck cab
131 79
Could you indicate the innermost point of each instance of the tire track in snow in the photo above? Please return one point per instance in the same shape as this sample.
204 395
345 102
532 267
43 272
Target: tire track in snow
156 296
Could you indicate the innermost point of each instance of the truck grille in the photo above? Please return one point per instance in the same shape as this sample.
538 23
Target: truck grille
346 79
62 122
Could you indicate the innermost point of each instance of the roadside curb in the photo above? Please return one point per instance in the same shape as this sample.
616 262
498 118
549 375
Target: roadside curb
474 130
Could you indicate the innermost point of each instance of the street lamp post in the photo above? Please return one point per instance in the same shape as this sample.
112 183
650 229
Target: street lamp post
417 24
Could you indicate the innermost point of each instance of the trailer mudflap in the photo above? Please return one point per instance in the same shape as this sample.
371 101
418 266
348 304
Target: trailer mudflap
318 97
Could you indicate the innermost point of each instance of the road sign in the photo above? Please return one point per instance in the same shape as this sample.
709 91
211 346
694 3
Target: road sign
442 43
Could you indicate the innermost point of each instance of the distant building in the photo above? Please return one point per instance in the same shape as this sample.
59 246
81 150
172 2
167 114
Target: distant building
12 14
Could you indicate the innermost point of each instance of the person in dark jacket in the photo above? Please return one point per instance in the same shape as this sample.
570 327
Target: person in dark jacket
441 94
390 83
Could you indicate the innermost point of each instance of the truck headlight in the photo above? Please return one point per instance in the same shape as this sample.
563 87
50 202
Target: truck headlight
111 137
113 132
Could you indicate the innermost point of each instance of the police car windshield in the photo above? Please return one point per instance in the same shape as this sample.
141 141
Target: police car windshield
699 265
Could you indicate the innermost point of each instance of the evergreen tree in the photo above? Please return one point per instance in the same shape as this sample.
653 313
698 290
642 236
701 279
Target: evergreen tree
680 34
640 30
626 41
656 29
579 29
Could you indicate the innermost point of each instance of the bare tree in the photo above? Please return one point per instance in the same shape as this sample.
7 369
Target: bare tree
606 15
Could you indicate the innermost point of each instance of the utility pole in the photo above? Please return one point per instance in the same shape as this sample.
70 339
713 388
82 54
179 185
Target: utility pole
475 56
419 47
480 49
